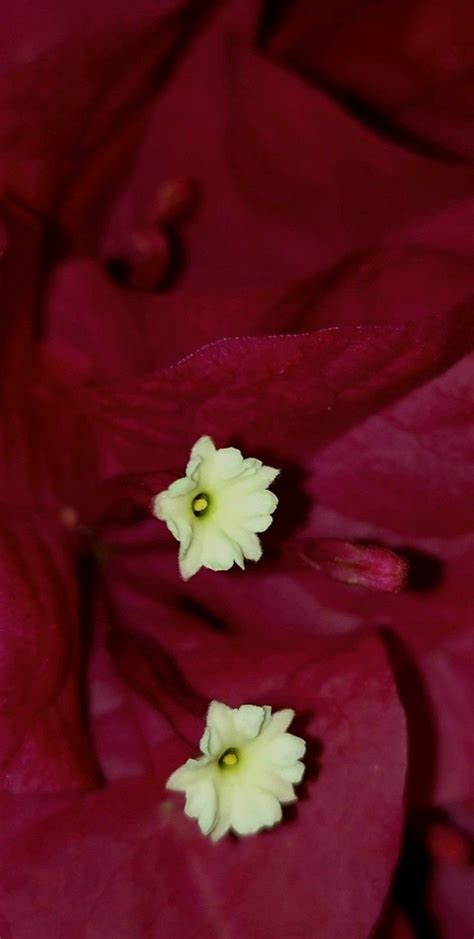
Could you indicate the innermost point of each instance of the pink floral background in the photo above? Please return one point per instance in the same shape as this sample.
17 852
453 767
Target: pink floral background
253 220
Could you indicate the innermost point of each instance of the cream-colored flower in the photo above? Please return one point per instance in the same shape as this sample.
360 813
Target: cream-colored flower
217 508
247 771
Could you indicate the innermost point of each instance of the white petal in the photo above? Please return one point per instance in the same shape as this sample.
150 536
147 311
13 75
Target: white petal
190 558
258 522
228 463
203 448
159 506
285 749
222 827
172 526
277 724
253 809
261 477
181 486
293 772
205 741
182 531
220 720
188 774
224 809
172 509
220 730
270 779
201 803
219 551
248 720
249 545
192 471
251 465
258 503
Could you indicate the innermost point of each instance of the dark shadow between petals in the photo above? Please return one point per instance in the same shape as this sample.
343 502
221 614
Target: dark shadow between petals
86 585
425 571
415 868
294 503
199 611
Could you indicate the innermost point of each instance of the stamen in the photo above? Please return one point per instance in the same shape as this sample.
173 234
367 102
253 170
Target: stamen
229 757
200 504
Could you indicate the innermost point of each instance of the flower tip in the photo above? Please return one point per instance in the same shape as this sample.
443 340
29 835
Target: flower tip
185 573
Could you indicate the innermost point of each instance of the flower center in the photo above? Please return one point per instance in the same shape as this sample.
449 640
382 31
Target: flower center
229 758
201 504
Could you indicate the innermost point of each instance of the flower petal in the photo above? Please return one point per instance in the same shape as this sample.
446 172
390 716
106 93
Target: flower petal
285 749
201 804
318 385
248 720
43 743
254 809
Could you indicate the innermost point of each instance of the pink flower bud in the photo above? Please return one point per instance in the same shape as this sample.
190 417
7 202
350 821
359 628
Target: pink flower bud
358 565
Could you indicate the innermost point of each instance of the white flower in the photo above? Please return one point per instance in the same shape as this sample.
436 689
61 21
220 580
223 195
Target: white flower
216 509
248 769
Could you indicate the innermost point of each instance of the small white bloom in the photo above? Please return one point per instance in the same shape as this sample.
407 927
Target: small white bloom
248 769
217 508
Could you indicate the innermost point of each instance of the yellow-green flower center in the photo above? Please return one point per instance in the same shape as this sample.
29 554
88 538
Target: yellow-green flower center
201 504
230 757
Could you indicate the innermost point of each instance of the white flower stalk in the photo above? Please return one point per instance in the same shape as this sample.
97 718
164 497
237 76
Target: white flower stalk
246 773
217 508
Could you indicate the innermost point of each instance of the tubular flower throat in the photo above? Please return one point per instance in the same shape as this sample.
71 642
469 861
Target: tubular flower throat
217 508
248 769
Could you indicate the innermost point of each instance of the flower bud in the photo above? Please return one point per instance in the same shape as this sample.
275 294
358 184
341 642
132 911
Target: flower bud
358 565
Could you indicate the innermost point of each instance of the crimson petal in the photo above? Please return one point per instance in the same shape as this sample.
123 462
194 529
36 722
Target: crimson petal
283 396
125 861
43 744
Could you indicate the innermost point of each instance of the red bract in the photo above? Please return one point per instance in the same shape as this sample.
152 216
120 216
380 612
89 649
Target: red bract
253 391
43 729
409 63
395 925
272 212
452 900
127 860
43 741
73 88
209 242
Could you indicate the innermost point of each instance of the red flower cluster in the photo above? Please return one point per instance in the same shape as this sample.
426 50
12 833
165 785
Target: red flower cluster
254 221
